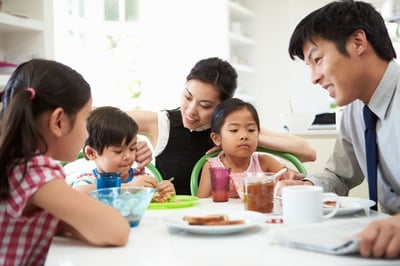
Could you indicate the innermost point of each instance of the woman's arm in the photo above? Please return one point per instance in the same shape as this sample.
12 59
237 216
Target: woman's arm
287 143
148 124
148 127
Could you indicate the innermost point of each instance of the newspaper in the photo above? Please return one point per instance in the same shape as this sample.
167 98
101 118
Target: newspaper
332 237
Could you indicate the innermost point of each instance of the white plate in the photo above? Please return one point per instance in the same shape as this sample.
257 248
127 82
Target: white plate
250 219
349 205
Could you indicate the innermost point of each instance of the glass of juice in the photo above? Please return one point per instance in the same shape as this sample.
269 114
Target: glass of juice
259 192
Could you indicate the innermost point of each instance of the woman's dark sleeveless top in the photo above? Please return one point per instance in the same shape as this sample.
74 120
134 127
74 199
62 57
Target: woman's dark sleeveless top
183 150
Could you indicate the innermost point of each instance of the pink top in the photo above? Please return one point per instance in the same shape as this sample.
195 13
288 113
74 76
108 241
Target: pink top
25 240
237 178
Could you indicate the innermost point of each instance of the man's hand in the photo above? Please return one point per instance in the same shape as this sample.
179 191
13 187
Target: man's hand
381 239
291 182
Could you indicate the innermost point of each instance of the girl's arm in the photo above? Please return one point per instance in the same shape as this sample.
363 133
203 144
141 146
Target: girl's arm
93 221
85 188
204 190
287 143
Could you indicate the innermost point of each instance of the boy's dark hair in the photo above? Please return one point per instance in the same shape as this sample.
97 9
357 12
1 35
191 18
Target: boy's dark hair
227 107
35 87
109 126
337 21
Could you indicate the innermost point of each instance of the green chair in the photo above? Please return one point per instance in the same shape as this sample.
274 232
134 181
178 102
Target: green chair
194 177
154 171
151 167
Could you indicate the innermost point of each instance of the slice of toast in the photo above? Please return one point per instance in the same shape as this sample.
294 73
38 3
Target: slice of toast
206 220
213 219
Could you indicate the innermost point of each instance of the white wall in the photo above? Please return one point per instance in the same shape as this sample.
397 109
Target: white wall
279 78
180 32
177 34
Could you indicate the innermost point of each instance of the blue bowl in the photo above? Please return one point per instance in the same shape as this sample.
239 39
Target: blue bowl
131 202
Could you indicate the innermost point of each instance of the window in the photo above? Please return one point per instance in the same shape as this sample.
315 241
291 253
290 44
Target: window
111 10
101 40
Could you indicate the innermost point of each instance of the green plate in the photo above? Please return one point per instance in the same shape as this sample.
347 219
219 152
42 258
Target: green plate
177 201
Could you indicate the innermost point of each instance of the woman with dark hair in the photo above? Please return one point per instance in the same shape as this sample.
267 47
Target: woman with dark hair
182 135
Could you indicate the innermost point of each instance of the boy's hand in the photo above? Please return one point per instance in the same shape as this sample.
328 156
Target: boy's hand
166 188
143 181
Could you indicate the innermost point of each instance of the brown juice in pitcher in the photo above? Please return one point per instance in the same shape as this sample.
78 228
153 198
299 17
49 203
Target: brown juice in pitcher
259 196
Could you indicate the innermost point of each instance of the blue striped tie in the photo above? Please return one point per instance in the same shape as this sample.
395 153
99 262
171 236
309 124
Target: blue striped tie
372 153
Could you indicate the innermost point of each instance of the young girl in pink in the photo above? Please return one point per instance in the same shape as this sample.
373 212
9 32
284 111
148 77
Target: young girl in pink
43 121
235 126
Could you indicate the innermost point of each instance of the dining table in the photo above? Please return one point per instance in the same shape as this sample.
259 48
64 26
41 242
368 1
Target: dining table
155 242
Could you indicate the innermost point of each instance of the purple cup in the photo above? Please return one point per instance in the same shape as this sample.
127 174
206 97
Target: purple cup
220 179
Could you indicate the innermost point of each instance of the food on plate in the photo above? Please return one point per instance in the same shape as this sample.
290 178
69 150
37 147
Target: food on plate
157 197
175 201
331 204
211 219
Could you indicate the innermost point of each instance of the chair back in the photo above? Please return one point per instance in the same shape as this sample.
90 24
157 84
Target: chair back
154 171
194 177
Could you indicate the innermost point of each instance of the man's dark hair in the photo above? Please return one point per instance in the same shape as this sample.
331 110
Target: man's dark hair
336 22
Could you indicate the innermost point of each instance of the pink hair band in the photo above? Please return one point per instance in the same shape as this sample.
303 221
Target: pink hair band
32 92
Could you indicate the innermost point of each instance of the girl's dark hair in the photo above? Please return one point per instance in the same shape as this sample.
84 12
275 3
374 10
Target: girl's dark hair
227 107
109 126
51 85
337 21
215 71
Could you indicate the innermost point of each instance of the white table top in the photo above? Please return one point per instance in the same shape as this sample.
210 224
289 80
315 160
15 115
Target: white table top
153 243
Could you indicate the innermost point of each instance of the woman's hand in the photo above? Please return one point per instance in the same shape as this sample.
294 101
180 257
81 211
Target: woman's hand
143 155
213 149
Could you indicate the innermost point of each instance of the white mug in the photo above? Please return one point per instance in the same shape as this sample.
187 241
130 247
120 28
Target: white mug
304 204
